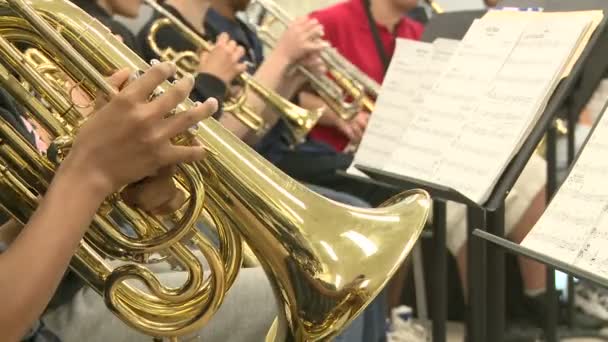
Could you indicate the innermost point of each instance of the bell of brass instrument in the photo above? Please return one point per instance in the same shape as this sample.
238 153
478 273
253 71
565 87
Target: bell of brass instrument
299 120
326 261
346 79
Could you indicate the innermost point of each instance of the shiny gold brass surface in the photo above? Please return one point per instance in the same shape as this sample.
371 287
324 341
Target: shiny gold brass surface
326 261
347 91
299 120
437 9
561 128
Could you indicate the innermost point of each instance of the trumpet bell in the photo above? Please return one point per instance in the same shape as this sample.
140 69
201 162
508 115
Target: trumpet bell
329 264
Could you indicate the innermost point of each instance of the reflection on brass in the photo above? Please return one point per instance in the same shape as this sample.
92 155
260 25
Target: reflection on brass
437 9
326 261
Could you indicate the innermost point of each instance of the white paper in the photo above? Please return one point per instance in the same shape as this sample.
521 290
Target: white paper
450 104
471 121
574 228
413 70
510 107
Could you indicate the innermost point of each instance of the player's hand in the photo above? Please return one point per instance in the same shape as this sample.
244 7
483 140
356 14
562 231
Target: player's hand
224 61
157 194
354 128
302 37
314 63
128 138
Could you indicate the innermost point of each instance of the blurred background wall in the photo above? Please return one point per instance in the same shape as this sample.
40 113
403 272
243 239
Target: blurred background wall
302 7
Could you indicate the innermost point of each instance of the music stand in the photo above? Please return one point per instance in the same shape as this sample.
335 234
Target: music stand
591 76
491 213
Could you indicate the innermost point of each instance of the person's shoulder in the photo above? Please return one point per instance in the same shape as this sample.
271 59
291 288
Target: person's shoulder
333 14
411 29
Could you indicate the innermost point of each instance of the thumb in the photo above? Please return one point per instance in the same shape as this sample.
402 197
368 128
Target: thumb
347 130
223 38
119 78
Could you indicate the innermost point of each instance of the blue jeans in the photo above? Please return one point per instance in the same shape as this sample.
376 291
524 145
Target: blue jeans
370 326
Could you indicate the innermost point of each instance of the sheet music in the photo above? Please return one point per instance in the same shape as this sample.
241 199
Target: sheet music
450 103
413 70
510 107
596 17
471 121
574 228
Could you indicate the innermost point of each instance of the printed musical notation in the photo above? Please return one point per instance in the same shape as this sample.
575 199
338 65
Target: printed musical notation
462 128
574 228
413 70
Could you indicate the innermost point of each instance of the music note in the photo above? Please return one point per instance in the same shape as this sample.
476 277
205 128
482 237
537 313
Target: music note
461 124
574 228
414 67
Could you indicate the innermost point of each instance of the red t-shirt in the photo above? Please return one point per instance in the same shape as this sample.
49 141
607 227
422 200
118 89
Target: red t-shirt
347 29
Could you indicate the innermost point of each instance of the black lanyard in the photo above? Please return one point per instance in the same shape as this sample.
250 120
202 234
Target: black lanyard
374 28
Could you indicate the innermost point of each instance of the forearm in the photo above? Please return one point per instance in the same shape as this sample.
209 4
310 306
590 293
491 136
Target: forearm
36 261
292 83
270 75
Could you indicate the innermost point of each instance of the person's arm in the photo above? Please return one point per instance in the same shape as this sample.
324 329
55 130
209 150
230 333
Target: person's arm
128 139
298 41
295 81
218 67
352 129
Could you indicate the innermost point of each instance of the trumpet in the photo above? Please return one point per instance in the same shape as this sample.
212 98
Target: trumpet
299 120
346 79
323 273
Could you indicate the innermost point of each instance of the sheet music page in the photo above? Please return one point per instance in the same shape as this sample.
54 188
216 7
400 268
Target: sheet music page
574 228
413 70
595 16
392 111
449 104
510 106
473 119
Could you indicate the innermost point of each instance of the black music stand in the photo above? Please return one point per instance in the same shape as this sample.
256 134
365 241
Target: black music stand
594 71
491 213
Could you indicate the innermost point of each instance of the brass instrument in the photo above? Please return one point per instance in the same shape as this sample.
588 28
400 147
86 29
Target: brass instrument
329 90
561 130
346 79
326 261
299 120
437 9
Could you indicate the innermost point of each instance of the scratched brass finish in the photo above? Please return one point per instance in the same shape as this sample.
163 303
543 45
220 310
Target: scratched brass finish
326 261
299 120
